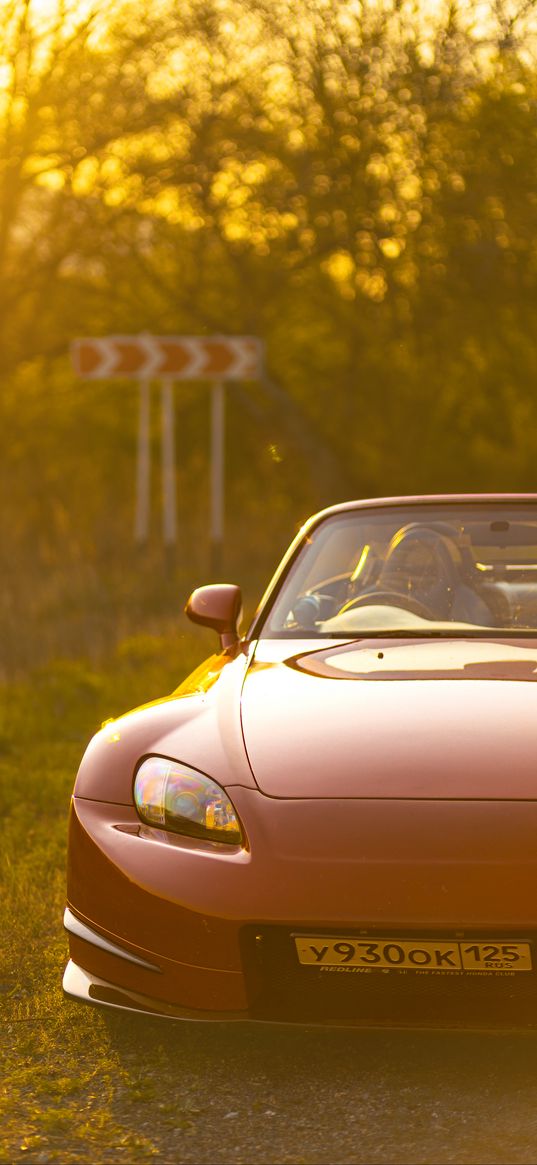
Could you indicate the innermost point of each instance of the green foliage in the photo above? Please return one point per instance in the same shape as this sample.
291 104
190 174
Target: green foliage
354 184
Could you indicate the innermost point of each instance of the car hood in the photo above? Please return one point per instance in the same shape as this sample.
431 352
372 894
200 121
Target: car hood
393 719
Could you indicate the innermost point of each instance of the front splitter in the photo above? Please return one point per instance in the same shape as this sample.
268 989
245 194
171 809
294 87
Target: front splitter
86 988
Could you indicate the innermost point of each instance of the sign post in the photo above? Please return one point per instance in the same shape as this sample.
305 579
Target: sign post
143 466
169 358
169 515
218 401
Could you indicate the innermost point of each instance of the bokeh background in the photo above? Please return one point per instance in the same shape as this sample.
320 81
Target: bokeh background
354 183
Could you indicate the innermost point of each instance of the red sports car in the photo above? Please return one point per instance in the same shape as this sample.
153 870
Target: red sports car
333 820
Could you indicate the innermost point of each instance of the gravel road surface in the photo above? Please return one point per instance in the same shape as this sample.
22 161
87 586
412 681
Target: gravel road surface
262 1094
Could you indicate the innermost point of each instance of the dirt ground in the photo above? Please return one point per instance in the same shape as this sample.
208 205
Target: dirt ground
279 1094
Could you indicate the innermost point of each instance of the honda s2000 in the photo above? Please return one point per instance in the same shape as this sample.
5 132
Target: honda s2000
334 819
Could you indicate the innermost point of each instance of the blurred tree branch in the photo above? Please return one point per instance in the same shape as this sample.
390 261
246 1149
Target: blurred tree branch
356 184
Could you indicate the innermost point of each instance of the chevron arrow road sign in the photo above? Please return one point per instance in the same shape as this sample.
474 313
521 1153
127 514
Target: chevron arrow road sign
145 358
180 357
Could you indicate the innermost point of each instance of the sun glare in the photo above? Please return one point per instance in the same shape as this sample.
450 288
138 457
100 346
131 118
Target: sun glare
52 15
46 10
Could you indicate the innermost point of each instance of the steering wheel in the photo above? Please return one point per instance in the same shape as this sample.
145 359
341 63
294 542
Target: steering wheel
391 598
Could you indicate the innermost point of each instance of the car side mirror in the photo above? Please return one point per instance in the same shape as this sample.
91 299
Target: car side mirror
219 606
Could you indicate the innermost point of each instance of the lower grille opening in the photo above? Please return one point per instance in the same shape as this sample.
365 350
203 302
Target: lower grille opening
281 988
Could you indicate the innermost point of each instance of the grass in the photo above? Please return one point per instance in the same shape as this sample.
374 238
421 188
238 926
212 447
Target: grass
62 1072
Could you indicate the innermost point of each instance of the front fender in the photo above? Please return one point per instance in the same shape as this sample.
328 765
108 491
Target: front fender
201 728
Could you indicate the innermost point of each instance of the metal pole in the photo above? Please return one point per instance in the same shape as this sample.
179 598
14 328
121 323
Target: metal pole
143 466
169 515
217 476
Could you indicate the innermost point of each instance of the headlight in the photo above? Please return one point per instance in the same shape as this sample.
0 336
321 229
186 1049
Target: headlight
173 796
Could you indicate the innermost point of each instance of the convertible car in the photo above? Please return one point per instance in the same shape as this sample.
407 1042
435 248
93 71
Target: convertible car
334 819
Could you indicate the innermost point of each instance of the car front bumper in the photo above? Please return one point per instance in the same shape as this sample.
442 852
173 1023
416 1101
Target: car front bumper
167 926
89 988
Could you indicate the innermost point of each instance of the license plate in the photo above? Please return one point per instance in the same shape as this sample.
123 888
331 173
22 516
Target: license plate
430 955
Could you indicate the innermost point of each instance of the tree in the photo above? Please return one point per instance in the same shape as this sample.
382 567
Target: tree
354 183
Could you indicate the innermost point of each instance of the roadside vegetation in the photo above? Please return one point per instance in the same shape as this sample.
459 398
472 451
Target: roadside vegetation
61 1080
353 183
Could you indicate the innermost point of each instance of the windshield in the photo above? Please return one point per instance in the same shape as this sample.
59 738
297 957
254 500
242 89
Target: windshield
426 569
